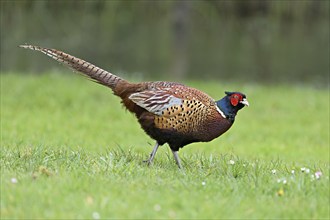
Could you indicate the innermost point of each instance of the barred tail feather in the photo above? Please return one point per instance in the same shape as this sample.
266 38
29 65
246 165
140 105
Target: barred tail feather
99 75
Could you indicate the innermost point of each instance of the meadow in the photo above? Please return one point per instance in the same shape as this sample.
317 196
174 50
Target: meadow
69 150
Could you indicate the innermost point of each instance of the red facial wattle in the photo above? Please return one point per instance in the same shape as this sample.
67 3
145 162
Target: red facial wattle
235 99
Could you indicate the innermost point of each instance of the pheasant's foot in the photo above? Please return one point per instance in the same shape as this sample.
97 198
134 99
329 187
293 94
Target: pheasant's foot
177 159
152 154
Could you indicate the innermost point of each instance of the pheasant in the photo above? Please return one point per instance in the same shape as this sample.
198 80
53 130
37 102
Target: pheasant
168 112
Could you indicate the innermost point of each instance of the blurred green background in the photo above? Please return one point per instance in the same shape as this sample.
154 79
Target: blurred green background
246 41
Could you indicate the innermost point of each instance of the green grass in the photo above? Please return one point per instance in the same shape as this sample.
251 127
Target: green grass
76 153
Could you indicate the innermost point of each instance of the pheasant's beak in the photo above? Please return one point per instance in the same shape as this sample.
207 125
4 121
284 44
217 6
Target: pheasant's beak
245 102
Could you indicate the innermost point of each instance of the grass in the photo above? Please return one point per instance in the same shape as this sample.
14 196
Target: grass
69 150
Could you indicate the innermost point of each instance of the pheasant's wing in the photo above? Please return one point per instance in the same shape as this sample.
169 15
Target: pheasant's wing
169 99
156 101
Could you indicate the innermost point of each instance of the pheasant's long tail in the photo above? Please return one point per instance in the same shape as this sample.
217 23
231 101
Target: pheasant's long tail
95 73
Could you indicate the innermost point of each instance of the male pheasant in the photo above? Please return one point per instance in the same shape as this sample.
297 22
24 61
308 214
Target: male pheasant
168 112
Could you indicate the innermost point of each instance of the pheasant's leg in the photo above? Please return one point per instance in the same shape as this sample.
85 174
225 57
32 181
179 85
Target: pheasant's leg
152 155
176 158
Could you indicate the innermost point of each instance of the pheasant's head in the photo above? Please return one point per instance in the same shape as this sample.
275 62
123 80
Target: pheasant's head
232 103
237 99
